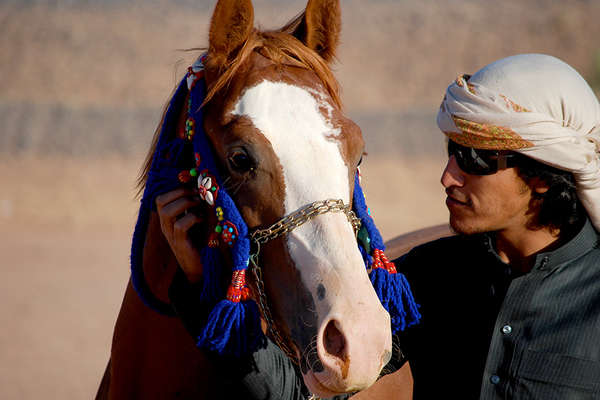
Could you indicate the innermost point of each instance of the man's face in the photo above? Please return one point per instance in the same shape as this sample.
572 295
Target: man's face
485 203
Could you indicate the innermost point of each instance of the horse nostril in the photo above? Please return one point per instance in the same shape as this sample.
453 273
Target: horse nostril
334 341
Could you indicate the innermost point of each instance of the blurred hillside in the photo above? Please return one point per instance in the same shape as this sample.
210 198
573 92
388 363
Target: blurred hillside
90 77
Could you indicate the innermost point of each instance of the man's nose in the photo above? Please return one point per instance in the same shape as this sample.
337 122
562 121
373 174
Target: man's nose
452 175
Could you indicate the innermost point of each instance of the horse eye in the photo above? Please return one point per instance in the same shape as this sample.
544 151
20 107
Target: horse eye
240 161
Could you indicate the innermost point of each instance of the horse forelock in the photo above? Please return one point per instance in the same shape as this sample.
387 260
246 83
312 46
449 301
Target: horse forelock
282 48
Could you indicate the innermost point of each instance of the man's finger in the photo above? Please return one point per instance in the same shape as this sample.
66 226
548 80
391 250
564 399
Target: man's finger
166 198
184 224
178 207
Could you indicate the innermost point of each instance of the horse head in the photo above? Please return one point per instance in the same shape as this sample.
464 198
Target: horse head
273 116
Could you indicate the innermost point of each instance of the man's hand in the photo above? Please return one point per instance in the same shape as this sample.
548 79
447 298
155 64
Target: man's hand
176 219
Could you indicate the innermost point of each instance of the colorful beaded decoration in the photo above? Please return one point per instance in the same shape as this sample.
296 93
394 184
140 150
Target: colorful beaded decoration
208 189
190 128
380 260
219 213
233 326
228 231
238 291
213 240
195 73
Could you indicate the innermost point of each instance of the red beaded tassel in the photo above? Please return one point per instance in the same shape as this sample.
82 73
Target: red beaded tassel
380 260
238 290
233 325
394 292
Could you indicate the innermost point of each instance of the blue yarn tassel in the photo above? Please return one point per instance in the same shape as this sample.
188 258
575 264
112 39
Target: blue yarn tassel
233 328
392 289
413 316
366 257
395 295
162 178
212 275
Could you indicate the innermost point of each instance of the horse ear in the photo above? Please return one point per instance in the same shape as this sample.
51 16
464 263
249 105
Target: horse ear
230 26
320 27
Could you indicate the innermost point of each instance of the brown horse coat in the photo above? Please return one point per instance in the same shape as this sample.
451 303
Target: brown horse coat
152 355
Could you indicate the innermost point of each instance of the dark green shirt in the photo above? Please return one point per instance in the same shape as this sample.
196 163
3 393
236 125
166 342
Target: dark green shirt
490 334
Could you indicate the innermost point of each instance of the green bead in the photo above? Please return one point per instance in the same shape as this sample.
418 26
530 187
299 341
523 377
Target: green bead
363 237
193 172
218 229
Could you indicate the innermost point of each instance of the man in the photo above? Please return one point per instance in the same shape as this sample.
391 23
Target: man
511 305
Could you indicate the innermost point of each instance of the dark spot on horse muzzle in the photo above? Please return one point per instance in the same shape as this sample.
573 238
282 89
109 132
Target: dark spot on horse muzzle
321 291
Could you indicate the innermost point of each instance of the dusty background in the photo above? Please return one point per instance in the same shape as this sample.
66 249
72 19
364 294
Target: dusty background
82 84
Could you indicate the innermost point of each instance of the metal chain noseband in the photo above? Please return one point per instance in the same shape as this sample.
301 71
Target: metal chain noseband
299 217
281 227
266 312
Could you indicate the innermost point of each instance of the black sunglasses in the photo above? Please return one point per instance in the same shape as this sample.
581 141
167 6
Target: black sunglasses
478 161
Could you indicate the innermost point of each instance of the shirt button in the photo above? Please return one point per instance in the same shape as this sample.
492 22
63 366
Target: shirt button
495 379
507 329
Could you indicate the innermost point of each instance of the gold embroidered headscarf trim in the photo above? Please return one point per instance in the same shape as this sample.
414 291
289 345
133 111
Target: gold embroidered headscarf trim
464 78
481 135
486 136
511 104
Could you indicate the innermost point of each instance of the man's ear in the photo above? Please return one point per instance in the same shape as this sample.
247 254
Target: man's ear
538 186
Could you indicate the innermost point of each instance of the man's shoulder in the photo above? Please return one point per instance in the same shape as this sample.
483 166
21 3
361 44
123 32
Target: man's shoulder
443 247
440 256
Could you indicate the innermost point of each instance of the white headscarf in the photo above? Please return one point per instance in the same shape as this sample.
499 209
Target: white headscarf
536 105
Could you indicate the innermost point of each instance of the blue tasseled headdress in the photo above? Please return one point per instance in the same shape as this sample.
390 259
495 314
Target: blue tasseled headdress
233 326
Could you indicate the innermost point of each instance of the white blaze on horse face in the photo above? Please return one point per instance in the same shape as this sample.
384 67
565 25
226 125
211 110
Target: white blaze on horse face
324 249
303 140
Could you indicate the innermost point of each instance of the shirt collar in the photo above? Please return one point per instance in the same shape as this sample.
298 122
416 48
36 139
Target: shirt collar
580 244
584 241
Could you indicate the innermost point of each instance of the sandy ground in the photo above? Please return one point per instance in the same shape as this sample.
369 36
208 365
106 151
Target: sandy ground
65 231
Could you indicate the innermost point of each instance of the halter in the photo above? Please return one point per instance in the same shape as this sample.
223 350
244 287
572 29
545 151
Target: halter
302 215
279 228
233 325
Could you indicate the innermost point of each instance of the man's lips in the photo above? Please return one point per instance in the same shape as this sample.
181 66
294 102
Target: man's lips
456 199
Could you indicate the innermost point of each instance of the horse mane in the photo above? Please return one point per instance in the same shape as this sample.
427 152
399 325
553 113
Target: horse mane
280 46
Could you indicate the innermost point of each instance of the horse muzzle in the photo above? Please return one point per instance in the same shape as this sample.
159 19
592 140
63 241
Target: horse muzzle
340 329
349 355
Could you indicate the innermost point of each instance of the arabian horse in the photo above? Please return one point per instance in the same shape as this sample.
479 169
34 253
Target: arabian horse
273 116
